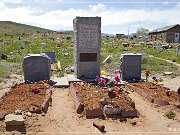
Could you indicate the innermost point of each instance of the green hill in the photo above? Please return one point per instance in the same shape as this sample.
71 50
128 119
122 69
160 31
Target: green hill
8 27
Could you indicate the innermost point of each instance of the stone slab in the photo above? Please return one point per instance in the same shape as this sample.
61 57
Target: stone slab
73 78
12 119
61 81
168 73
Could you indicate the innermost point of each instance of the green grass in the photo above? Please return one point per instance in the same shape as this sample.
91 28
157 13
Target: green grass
8 27
165 54
160 66
16 55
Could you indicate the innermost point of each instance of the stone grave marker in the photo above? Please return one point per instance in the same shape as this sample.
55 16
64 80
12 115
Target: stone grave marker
130 67
87 32
36 67
52 55
43 45
108 59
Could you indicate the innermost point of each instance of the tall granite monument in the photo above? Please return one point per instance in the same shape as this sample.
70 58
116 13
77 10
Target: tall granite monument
87 32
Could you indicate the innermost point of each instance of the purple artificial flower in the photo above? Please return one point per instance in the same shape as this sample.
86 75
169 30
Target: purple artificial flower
104 82
117 79
97 79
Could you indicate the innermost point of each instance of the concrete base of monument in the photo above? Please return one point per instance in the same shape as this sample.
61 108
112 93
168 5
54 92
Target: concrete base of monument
72 78
60 81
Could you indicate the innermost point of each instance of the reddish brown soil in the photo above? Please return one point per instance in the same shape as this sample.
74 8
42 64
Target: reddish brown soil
158 91
21 97
90 96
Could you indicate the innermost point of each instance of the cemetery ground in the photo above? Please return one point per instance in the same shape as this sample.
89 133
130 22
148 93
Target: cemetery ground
62 118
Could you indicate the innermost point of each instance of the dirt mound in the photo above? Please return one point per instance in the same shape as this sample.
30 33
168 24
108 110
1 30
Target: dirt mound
23 97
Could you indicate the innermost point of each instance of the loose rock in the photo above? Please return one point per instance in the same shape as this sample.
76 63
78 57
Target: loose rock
29 114
18 112
133 122
43 114
2 115
103 101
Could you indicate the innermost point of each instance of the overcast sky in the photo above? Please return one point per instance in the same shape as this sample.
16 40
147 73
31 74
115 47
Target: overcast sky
117 15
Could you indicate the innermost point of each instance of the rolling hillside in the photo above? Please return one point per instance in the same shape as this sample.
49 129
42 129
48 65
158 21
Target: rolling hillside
8 27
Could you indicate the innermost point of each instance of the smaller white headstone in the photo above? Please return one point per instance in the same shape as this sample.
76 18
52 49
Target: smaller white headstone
177 51
43 45
108 59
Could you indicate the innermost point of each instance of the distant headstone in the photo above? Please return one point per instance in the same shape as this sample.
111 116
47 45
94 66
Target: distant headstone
43 45
36 67
58 44
108 59
4 56
87 31
142 54
52 55
130 67
68 38
158 46
177 51
21 46
125 44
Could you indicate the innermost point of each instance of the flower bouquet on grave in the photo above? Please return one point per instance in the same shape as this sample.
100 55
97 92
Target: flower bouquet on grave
101 81
35 90
46 80
168 91
155 80
110 83
147 72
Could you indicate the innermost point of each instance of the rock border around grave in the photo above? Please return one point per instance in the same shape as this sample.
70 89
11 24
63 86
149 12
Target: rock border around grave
151 99
47 101
78 105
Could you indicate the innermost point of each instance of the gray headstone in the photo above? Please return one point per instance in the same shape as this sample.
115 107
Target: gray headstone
43 45
87 32
52 55
130 67
36 67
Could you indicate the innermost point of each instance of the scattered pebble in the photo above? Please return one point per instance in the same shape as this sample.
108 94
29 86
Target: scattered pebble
18 112
43 114
133 122
29 114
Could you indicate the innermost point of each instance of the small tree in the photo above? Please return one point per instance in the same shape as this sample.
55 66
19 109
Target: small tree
142 31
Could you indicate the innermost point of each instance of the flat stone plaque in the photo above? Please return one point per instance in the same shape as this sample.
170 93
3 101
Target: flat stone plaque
88 57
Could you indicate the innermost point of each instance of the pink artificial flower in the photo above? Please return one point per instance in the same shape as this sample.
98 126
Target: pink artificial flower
117 79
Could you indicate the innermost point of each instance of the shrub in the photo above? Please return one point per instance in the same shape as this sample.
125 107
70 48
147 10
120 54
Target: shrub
170 115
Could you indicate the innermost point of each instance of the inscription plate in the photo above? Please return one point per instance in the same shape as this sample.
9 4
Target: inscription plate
88 57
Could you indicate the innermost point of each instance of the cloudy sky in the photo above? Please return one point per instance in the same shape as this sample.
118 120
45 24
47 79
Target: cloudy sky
117 15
